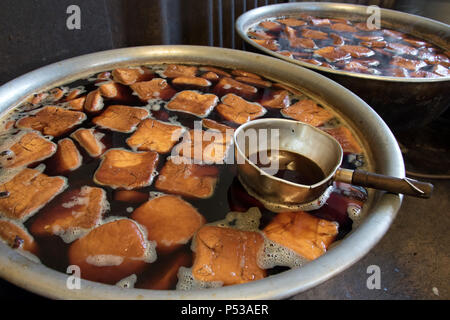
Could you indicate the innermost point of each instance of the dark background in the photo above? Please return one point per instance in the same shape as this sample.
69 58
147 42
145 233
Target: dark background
414 256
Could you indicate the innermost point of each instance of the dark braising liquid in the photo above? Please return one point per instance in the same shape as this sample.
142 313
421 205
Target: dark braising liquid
291 166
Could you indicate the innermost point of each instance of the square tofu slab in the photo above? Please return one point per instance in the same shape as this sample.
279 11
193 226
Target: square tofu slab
90 140
193 102
67 158
16 236
345 137
31 147
126 169
309 112
121 118
238 110
29 191
306 234
180 176
169 220
227 255
154 135
52 121
154 89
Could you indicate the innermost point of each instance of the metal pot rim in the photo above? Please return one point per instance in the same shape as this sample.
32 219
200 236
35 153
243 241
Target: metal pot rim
250 17
42 280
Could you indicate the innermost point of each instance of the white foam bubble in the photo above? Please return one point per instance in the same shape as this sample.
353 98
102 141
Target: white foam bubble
128 282
275 254
104 260
186 281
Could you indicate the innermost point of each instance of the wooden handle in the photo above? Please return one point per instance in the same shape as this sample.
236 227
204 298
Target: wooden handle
396 185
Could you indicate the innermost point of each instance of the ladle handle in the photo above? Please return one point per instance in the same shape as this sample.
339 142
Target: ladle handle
405 186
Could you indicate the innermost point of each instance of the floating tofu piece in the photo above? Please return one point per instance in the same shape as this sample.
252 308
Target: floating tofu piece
270 25
130 196
210 76
121 118
16 236
75 214
116 91
125 169
94 102
393 34
154 89
90 140
291 22
354 66
128 76
53 121
179 176
314 34
301 232
227 255
175 70
205 146
111 252
193 102
163 274
229 85
32 147
343 27
363 26
374 44
239 110
191 82
169 220
344 136
396 72
441 70
320 22
357 51
368 37
302 43
261 35
410 64
67 158
255 82
268 44
217 71
399 48
332 54
276 99
214 125
28 192
154 135
76 104
309 112
416 43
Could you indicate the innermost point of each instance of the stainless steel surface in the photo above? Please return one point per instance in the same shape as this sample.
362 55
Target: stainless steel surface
386 160
402 102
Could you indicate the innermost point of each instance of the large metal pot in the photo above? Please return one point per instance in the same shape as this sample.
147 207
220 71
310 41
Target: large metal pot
383 152
402 102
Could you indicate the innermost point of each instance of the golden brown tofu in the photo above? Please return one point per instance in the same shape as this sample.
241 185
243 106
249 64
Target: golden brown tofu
410 64
67 158
270 25
302 43
155 89
154 135
73 94
238 110
301 232
227 255
205 146
16 236
261 35
355 66
362 26
343 27
194 103
130 196
259 83
401 49
357 51
110 252
344 136
174 71
217 71
170 221
191 82
210 76
94 102
76 104
128 76
314 34
276 99
125 169
332 54
319 22
337 39
116 91
187 179
32 147
309 112
28 192
214 125
52 121
77 212
268 44
121 118
90 140
368 37
291 22
416 43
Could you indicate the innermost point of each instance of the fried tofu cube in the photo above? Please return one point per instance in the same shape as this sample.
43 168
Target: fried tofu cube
217 71
90 140
302 43
175 70
229 85
117 92
121 118
309 112
214 125
179 176
94 102
291 22
16 236
261 35
155 89
343 27
277 99
125 169
32 147
66 159
210 76
270 25
305 234
193 102
227 255
268 44
76 212
239 110
255 82
332 54
191 82
111 252
410 64
314 34
154 135
28 192
53 121
357 51
128 76
76 104
344 136
169 220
